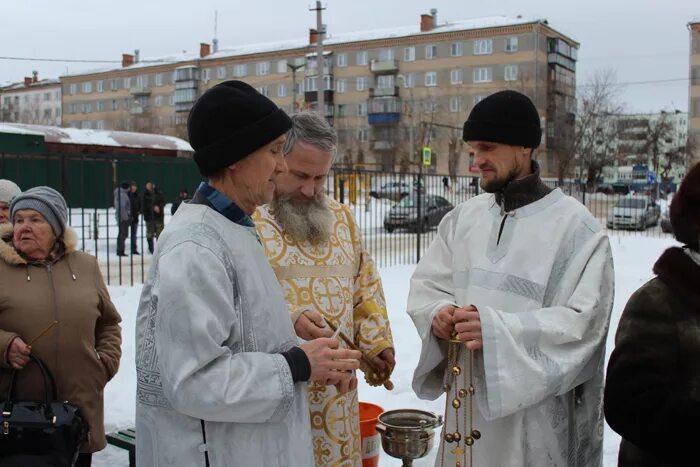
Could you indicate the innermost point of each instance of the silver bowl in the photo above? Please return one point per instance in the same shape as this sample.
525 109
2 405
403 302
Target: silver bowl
407 434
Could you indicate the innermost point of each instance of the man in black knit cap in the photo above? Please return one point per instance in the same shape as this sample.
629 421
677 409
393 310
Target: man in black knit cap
220 378
523 276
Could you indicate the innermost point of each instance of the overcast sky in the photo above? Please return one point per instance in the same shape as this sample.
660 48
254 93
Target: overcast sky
642 40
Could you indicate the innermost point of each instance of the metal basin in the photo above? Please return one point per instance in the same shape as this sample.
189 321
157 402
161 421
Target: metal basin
407 434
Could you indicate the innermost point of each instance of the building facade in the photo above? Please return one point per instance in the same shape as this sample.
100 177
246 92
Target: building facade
32 101
387 92
694 90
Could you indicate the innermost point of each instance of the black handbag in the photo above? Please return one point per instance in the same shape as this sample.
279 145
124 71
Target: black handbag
40 433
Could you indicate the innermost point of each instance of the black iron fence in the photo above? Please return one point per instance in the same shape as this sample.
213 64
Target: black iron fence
397 213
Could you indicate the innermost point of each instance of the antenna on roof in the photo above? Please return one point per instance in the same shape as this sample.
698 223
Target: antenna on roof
215 41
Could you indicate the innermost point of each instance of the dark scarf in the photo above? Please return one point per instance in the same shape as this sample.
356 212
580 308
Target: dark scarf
519 193
680 273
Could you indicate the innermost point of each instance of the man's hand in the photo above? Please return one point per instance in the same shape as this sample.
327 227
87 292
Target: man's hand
443 324
156 209
310 325
18 353
331 365
467 324
385 360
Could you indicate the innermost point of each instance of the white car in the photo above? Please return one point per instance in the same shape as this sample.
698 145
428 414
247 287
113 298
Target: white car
634 212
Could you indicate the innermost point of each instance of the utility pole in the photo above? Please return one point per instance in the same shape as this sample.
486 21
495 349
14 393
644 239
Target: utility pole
294 69
320 32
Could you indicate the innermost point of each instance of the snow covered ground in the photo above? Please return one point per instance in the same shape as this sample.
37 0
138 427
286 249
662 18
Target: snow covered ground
634 257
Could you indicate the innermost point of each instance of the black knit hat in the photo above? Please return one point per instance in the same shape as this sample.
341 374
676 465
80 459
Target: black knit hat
685 210
506 117
229 122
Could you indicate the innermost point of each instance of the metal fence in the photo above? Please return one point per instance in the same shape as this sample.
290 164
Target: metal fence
397 213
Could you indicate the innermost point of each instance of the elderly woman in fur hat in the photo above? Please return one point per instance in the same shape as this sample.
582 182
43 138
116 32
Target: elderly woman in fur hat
652 393
44 279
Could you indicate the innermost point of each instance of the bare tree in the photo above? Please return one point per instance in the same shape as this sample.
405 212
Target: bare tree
657 131
678 156
596 131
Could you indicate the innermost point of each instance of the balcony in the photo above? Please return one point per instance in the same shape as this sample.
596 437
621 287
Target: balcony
387 118
139 91
312 96
384 66
384 92
313 71
137 110
382 145
554 58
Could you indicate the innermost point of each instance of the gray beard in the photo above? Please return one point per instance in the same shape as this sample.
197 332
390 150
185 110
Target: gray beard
312 221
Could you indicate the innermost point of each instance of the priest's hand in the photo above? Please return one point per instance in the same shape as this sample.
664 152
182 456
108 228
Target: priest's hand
385 360
330 364
468 327
311 325
443 324
346 384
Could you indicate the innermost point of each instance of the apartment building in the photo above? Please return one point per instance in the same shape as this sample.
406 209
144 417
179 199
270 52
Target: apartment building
387 92
694 89
32 101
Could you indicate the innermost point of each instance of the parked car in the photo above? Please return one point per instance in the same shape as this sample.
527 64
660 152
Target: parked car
395 191
634 212
405 213
666 222
605 188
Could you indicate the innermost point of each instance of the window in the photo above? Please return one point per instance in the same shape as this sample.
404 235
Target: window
311 84
430 51
409 80
431 78
386 54
159 101
47 114
478 99
340 85
342 110
86 125
362 134
341 60
113 85
282 89
483 46
87 87
281 66
115 104
73 89
206 75
47 96
142 81
127 82
385 81
99 106
172 99
58 112
100 125
328 83
511 44
456 49
100 86
87 107
264 90
511 73
361 83
240 70
482 75
159 78
72 108
456 76
221 72
409 54
455 104
362 109
262 68
362 58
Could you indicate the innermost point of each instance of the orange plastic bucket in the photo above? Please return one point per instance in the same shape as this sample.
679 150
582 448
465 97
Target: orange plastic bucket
371 441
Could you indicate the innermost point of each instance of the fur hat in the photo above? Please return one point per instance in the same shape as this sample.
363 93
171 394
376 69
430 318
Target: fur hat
685 210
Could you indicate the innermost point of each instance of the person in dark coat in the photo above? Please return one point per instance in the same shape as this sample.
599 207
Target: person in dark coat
122 213
152 206
652 394
182 197
135 200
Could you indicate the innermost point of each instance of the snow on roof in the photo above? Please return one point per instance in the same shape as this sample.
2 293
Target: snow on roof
344 38
20 84
53 134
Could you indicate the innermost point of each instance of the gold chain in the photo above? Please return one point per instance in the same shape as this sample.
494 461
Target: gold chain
465 436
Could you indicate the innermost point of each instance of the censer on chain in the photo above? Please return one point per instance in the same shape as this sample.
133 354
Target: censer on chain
460 398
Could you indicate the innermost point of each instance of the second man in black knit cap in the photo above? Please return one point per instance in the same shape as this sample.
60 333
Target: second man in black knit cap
523 276
221 380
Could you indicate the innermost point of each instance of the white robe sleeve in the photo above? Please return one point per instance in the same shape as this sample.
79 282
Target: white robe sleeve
432 289
196 329
530 355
